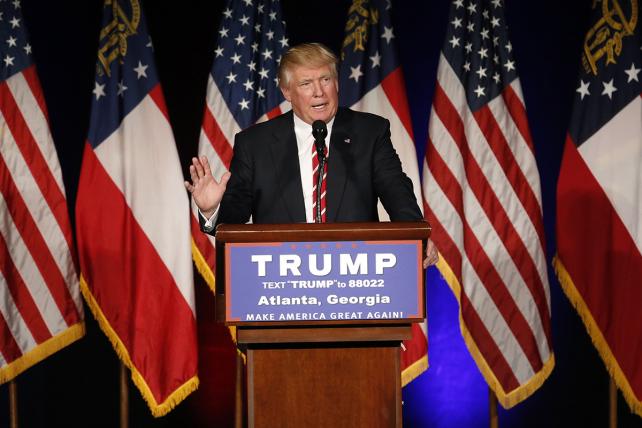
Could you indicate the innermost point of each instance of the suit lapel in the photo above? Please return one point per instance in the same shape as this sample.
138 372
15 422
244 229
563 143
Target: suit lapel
338 163
285 161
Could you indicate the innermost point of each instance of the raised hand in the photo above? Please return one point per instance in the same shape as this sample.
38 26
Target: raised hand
206 191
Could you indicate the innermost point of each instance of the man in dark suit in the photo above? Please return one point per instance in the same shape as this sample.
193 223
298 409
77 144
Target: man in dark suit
270 178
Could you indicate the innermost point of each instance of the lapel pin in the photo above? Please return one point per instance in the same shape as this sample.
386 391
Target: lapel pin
347 141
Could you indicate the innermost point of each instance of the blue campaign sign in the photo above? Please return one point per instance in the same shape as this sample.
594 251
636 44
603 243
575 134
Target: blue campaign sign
323 281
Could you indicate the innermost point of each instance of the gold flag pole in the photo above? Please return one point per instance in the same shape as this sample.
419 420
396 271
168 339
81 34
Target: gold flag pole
13 404
124 397
492 409
612 403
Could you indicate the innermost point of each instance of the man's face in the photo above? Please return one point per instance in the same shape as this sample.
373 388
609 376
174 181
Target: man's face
313 92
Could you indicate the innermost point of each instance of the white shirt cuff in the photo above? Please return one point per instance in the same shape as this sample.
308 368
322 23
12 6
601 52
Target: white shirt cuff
209 222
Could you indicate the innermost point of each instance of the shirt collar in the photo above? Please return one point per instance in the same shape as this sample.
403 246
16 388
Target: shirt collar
303 130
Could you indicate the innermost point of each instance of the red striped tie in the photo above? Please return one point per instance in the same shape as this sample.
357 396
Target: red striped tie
315 179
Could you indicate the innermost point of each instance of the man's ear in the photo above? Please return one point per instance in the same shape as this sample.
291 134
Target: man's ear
286 93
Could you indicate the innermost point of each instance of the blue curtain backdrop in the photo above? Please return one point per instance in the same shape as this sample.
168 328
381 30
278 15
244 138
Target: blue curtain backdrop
79 385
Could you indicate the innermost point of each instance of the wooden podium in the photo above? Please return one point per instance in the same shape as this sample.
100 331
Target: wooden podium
320 373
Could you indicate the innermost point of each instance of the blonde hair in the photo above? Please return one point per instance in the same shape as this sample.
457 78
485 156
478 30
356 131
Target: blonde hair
306 54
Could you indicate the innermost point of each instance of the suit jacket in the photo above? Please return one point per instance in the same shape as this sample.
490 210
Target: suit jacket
362 166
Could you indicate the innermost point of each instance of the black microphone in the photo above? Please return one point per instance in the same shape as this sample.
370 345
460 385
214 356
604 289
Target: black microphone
319 132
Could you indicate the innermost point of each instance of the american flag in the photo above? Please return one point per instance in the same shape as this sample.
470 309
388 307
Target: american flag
599 194
40 306
482 197
242 89
371 80
132 217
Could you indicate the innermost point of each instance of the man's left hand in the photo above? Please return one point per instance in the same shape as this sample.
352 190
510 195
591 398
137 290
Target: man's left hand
432 255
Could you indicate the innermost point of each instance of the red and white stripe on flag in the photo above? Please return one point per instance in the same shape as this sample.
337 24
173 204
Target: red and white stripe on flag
40 306
132 221
388 99
482 198
216 144
599 202
132 218
371 80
